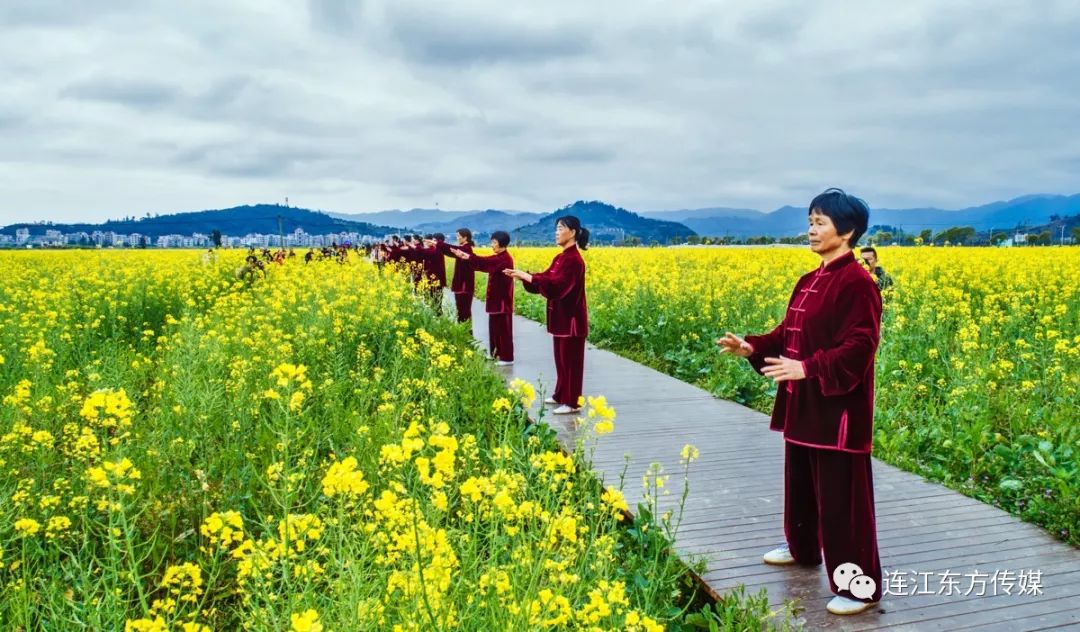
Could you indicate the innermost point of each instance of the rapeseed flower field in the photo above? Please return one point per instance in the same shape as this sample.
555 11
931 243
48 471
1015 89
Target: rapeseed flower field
313 450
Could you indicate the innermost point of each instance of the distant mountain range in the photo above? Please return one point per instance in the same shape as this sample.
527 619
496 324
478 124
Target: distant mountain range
1029 211
236 221
606 222
1023 212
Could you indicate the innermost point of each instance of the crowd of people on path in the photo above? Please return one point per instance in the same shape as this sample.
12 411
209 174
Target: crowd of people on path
562 284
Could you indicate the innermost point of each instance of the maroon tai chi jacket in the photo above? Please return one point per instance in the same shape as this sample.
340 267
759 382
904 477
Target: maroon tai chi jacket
464 281
411 258
500 288
563 285
434 264
832 324
398 254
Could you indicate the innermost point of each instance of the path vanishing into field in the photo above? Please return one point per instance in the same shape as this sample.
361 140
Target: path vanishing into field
938 538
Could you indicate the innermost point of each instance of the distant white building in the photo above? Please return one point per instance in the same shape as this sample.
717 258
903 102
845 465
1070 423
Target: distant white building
22 235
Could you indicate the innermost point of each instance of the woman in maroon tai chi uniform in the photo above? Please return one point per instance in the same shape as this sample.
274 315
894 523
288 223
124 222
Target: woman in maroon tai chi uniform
434 269
500 295
822 357
464 282
563 285
408 255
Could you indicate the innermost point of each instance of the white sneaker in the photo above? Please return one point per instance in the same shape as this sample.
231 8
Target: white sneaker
550 400
846 605
565 410
780 556
503 362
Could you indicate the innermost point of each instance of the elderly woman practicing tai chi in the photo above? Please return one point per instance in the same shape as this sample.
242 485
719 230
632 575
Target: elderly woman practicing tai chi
563 285
822 357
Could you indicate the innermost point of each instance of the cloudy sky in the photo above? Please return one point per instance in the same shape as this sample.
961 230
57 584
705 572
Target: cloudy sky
118 107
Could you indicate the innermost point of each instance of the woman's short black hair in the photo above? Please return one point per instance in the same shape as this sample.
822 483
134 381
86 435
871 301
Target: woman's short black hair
581 235
501 237
847 212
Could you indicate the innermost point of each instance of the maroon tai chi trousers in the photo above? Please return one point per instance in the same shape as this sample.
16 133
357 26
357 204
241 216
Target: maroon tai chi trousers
464 307
569 369
501 336
829 508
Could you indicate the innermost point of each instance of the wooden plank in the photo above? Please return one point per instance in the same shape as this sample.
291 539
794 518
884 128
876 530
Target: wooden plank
767 538
1039 615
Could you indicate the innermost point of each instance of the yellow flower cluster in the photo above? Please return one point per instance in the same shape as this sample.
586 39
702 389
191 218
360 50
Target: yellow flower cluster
224 530
183 585
27 527
615 501
115 475
343 478
525 391
108 408
292 379
307 621
601 415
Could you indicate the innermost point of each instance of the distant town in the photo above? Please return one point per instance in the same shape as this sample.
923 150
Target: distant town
108 239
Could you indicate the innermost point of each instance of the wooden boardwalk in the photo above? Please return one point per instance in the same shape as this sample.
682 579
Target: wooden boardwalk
938 538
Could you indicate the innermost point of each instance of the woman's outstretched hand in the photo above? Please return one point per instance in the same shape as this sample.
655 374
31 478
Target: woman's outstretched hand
460 254
521 275
783 369
734 345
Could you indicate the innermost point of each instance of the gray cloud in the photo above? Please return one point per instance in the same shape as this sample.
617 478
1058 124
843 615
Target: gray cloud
366 105
132 93
50 13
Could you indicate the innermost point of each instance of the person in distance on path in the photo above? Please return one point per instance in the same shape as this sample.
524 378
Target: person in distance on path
434 269
499 302
822 357
464 282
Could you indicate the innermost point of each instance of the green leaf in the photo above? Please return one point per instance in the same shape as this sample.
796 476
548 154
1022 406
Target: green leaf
1010 484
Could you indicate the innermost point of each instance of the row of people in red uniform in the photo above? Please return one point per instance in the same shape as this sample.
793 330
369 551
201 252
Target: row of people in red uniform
562 284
